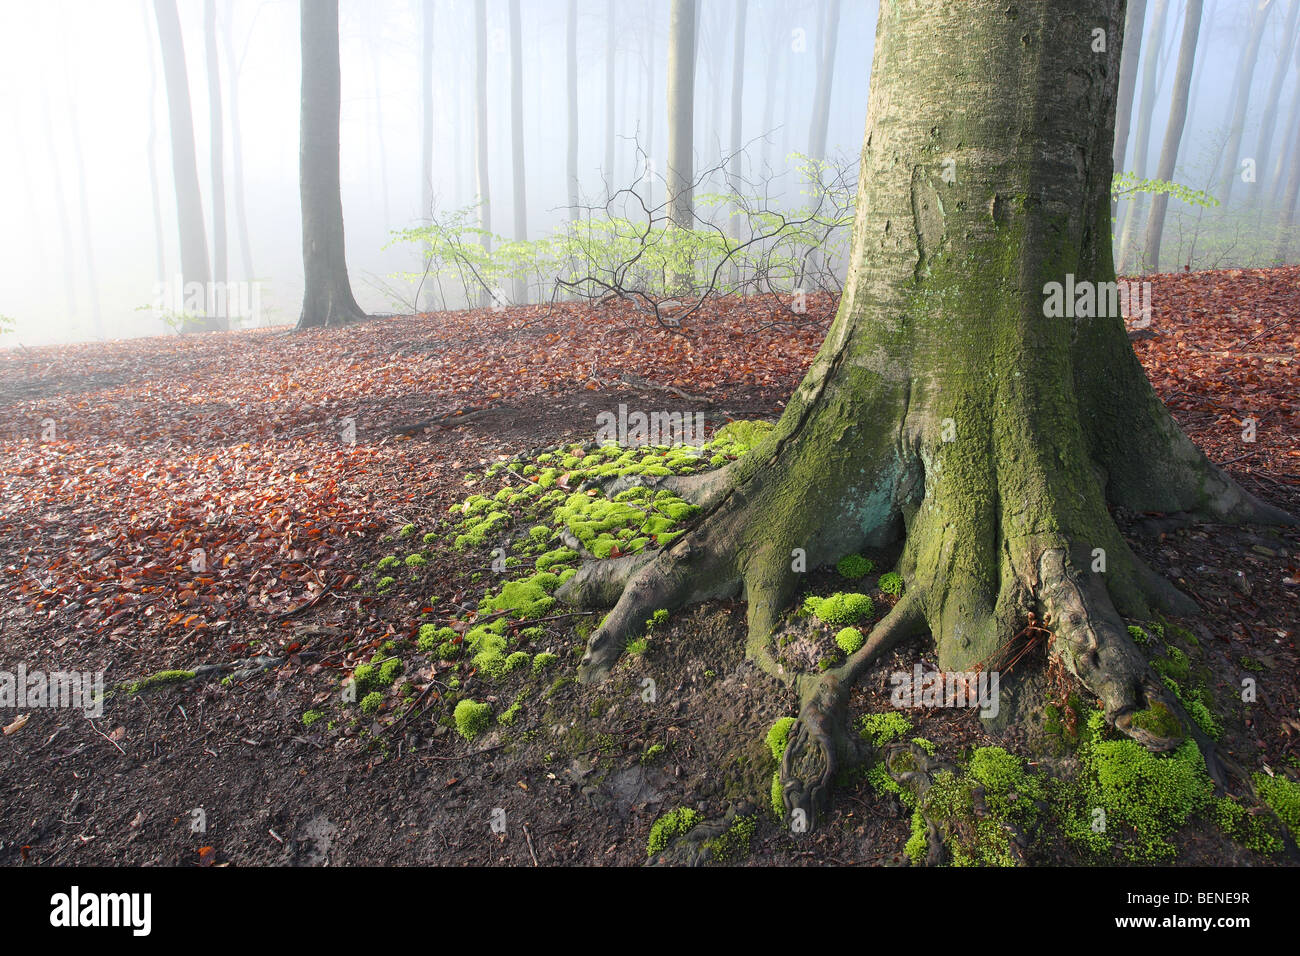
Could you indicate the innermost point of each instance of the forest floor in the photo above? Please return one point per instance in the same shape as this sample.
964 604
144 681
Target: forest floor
221 502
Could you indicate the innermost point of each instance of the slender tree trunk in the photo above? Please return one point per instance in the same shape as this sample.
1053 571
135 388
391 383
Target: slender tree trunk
83 208
1133 217
1134 21
1174 132
940 385
611 44
426 137
1287 210
1278 176
237 154
481 125
681 112
1237 129
327 299
517 138
821 111
652 109
219 319
737 87
151 147
1268 124
778 56
185 170
571 86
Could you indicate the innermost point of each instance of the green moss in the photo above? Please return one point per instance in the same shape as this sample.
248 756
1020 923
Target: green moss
525 598
1283 797
391 561
653 752
636 645
880 729
407 531
778 737
558 556
472 718
891 583
855 566
1255 831
160 679
371 703
658 617
542 661
918 844
927 745
849 640
511 713
515 661
415 561
734 843
383 584
740 437
1159 720
311 716
431 636
1138 635
1174 665
840 609
668 827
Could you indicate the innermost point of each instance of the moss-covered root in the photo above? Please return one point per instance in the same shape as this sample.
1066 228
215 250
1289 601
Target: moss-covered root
721 840
819 743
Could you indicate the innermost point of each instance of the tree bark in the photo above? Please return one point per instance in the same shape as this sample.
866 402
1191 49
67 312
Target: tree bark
217 162
821 111
1237 114
1287 210
481 132
151 147
327 299
1268 124
681 112
950 408
185 170
737 93
611 44
1174 132
426 132
517 137
1146 106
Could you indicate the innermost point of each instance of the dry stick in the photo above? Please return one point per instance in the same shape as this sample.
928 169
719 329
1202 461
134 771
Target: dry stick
529 838
106 737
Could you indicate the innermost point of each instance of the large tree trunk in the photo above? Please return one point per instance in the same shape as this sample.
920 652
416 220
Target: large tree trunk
185 170
950 408
1237 110
327 298
517 137
1173 133
1134 21
1133 217
821 111
217 162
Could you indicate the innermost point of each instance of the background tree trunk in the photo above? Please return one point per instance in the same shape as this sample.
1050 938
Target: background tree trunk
481 131
1237 116
217 162
1287 209
681 112
517 138
426 135
1174 132
327 293
737 97
237 152
1134 21
571 85
611 44
151 147
1278 176
1146 106
185 170
821 110
1264 159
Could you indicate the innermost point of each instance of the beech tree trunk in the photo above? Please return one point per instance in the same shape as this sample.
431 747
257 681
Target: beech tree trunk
1237 111
327 299
517 137
571 85
1264 159
1135 214
185 170
217 162
681 111
611 45
237 154
821 111
1173 133
952 414
1134 21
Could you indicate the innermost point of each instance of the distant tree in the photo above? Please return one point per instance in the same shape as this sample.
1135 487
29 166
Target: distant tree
1135 214
611 45
327 293
1268 123
1174 132
737 84
1134 20
571 87
151 144
216 159
1236 120
185 170
237 152
517 136
821 111
681 111
481 123
426 121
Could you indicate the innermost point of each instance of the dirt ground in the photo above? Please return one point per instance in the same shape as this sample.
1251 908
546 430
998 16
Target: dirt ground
222 770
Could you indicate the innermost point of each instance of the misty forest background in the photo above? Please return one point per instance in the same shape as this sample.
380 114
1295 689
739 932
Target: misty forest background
88 207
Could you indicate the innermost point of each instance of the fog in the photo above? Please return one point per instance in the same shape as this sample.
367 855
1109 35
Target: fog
85 116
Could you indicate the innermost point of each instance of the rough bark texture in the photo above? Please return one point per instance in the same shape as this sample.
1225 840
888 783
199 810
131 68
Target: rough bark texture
185 170
945 409
327 294
1173 133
